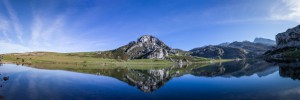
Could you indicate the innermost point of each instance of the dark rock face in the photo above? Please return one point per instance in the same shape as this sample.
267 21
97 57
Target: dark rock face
290 38
253 50
232 50
265 41
219 52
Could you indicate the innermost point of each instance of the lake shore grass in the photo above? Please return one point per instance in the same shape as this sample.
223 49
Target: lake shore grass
52 60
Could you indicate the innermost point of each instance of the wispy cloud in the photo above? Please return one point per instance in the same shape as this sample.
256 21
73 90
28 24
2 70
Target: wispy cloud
56 34
46 31
43 30
4 28
15 20
286 10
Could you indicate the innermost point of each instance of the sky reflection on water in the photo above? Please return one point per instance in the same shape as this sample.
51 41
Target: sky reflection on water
231 80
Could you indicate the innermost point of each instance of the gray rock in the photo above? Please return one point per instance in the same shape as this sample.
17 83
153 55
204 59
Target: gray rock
146 47
290 38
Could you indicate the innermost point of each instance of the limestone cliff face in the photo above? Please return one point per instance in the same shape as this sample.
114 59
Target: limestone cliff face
290 38
146 47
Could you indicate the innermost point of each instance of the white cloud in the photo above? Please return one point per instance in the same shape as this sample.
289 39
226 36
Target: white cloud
5 28
15 20
45 31
286 10
50 31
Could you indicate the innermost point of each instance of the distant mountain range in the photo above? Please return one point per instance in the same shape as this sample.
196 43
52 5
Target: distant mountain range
240 50
150 47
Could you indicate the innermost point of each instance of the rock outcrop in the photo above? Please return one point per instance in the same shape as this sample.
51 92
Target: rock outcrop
265 41
288 46
290 38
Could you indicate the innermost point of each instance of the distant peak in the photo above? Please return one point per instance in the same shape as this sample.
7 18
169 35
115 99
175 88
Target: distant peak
264 41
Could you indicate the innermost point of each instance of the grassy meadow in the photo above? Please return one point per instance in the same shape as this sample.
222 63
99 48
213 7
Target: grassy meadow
88 60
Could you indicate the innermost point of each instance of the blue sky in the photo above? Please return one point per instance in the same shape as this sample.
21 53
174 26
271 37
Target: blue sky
93 25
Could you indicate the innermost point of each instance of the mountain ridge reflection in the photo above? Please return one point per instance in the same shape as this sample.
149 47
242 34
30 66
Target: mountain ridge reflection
290 70
149 80
152 79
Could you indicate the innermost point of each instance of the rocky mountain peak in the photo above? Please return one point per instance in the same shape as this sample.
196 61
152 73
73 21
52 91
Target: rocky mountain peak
148 47
150 41
147 39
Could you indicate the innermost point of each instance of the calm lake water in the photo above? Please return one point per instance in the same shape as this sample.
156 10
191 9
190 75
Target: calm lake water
249 80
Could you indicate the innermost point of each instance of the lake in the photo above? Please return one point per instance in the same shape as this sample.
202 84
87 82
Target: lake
247 80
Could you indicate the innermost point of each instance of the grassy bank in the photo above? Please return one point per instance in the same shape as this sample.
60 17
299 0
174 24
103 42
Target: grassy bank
69 61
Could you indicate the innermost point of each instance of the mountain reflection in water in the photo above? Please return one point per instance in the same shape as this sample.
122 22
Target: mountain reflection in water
251 79
290 70
153 79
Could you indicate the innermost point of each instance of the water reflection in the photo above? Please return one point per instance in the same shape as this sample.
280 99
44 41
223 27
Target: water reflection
3 79
152 79
291 70
235 69
227 80
2 98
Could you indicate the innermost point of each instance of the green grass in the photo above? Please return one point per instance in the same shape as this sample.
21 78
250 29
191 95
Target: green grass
88 61
76 59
